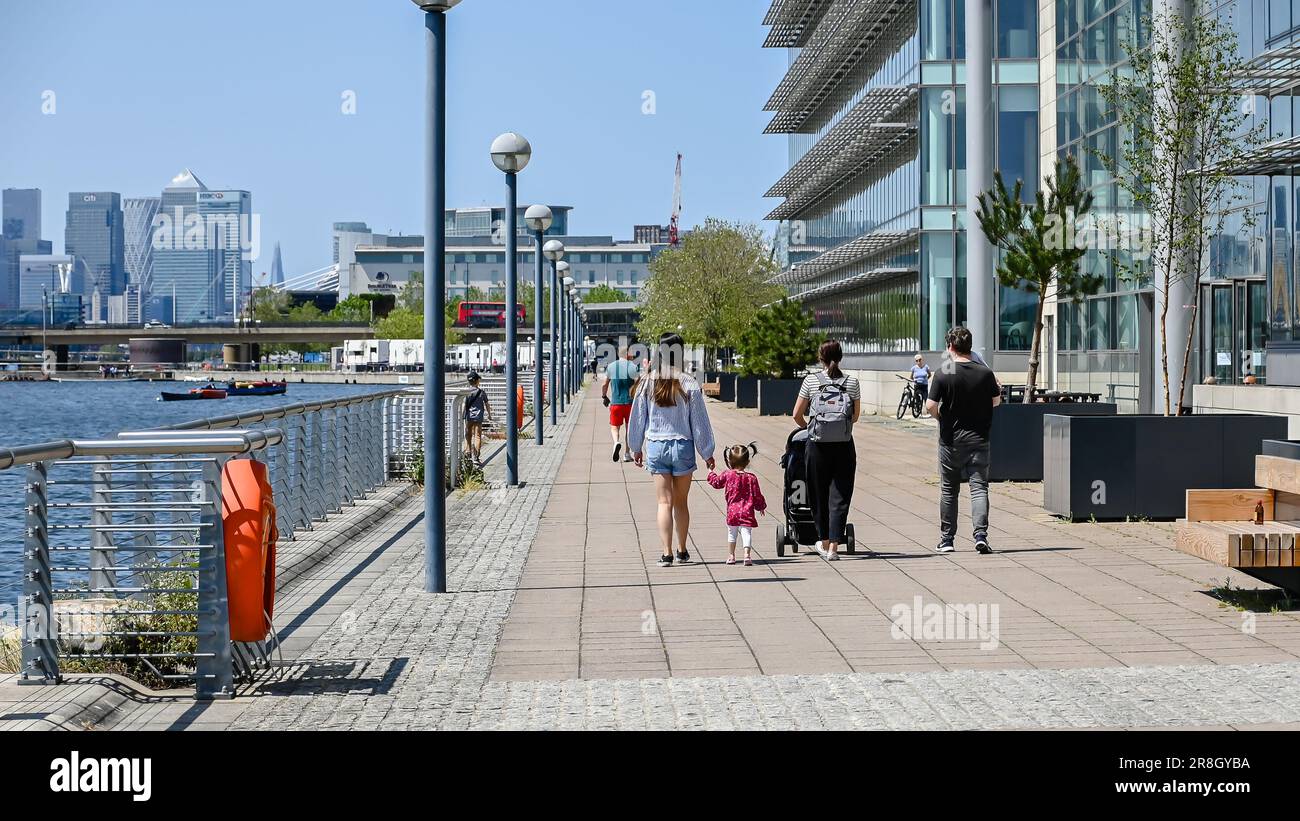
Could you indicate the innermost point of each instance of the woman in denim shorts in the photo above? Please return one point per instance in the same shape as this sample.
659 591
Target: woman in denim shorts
667 427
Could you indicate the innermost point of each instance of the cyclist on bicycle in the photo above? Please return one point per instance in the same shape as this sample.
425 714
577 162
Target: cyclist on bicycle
921 375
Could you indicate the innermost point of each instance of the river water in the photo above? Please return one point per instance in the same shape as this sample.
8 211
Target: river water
33 412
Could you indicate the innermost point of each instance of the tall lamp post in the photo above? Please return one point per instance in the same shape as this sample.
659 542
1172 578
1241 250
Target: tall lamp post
566 375
511 153
538 218
579 349
554 251
435 283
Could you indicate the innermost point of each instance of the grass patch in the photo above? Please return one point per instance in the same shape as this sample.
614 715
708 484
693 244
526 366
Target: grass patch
1255 600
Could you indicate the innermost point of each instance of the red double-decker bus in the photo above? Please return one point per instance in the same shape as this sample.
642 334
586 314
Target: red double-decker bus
486 315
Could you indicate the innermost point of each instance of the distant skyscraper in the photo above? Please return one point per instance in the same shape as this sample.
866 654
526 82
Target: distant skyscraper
138 214
22 213
40 279
20 224
94 233
277 267
227 217
185 263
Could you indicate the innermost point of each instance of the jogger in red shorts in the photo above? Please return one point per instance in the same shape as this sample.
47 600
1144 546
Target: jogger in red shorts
620 376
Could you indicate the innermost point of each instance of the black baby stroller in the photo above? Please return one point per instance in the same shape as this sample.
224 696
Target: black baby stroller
800 527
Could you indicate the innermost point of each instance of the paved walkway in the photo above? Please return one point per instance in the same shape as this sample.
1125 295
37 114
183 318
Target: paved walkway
560 619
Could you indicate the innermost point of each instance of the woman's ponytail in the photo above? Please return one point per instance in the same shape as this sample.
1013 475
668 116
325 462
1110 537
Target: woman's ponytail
830 355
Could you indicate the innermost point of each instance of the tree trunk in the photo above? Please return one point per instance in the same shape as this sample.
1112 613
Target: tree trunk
1187 357
1031 379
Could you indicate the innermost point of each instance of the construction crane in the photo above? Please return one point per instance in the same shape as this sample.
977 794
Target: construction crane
677 204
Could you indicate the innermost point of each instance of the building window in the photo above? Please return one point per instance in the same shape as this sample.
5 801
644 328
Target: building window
620 278
408 259
1018 137
591 278
1017 29
633 275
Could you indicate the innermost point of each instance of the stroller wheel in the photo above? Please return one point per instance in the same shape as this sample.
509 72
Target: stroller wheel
851 543
792 539
780 544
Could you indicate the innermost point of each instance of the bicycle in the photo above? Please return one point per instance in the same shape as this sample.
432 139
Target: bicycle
912 398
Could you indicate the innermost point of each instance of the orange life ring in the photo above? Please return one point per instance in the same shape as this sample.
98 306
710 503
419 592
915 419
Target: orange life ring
248 522
519 406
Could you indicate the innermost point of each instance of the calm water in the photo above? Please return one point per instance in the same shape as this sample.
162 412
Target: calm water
43 411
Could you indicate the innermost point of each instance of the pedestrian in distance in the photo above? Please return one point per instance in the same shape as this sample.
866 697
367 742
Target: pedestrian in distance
667 427
478 410
744 497
962 397
829 403
616 393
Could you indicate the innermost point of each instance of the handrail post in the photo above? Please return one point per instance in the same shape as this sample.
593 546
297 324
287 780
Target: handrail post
319 505
301 478
214 667
40 629
282 485
456 438
101 537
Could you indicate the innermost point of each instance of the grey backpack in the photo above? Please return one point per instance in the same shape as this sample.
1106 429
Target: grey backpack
830 417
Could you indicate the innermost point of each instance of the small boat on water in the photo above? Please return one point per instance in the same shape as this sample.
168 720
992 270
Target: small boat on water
259 388
194 394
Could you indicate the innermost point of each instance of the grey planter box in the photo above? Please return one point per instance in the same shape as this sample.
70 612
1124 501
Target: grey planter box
1016 438
747 391
726 387
1113 467
776 397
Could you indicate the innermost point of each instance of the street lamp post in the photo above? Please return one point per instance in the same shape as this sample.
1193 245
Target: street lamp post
566 375
435 279
554 251
579 350
511 153
538 218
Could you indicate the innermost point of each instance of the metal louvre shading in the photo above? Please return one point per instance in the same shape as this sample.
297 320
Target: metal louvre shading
1274 72
849 252
848 33
873 151
1280 157
862 130
849 283
793 21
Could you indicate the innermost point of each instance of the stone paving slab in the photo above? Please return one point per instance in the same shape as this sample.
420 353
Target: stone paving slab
1066 595
560 620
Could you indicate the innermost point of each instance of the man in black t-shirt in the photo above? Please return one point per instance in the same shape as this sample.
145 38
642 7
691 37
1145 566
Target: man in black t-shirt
963 395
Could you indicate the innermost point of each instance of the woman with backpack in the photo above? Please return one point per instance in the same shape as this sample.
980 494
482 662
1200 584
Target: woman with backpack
667 426
829 403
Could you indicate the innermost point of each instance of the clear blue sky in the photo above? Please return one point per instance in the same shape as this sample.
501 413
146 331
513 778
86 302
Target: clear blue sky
248 94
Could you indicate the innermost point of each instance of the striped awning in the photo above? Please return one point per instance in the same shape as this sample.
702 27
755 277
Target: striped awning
793 21
851 35
1273 72
847 253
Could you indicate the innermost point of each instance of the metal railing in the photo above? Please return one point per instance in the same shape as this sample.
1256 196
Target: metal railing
124 559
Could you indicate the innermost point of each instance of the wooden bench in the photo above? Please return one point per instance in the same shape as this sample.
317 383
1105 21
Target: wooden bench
1220 526
712 389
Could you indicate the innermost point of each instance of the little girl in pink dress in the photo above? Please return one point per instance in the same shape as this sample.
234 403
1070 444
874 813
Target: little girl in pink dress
744 497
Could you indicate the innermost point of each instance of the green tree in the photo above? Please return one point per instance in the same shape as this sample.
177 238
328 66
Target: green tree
401 323
1036 240
711 287
1182 133
603 293
779 342
355 308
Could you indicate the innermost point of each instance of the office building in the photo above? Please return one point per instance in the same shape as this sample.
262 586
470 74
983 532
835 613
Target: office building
21 210
277 267
41 275
20 226
138 215
94 233
189 261
651 234
479 263
228 218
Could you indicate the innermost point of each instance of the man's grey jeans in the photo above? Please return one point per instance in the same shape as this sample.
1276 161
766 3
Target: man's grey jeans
966 459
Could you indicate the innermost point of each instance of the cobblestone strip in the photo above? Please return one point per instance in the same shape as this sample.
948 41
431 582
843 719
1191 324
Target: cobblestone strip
1118 697
413 660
